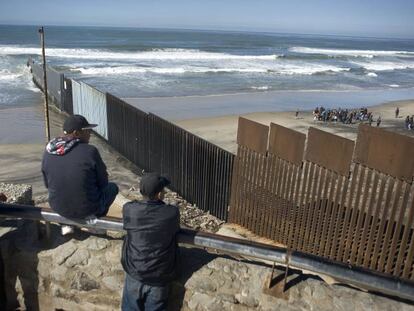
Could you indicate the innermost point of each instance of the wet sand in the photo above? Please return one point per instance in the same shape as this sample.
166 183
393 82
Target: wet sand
194 107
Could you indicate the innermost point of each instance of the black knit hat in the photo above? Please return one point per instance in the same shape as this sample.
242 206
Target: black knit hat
76 123
152 183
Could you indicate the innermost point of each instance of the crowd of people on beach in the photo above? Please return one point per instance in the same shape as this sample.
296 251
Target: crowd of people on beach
409 122
345 116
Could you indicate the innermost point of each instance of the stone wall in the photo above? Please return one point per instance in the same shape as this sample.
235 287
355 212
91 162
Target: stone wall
83 272
20 194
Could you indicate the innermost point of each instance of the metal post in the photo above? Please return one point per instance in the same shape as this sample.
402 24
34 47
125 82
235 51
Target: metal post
42 43
287 269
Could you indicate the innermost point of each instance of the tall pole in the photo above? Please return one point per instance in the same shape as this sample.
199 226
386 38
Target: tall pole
42 42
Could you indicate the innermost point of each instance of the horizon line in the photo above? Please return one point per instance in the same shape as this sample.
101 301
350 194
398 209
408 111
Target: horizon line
216 30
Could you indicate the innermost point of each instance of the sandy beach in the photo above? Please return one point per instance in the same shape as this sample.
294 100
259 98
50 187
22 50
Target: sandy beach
222 131
22 143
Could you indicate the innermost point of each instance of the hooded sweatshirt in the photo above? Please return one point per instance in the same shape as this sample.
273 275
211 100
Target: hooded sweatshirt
75 176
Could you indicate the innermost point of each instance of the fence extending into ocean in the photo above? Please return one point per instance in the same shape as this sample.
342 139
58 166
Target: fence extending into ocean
348 202
199 171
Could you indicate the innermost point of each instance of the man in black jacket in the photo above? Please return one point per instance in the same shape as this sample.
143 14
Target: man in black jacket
150 252
75 174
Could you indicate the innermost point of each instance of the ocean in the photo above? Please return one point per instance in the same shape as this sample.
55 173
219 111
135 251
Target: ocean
168 63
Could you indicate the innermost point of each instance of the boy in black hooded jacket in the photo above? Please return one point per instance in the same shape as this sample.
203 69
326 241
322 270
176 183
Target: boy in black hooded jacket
150 252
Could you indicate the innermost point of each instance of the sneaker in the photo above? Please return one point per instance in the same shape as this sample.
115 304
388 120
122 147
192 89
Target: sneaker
67 229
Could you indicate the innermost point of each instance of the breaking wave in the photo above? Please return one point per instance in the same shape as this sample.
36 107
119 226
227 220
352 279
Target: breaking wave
304 69
384 65
344 52
156 54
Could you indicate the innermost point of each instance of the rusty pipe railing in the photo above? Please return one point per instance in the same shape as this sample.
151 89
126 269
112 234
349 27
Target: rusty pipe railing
359 277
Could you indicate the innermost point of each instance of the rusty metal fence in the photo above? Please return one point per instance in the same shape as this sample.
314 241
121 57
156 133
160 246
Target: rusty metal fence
128 131
345 201
55 82
199 170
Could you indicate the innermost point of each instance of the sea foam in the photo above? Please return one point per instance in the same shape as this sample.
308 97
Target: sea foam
384 65
284 69
156 54
344 52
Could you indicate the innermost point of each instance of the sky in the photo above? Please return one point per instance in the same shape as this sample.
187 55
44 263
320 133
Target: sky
372 18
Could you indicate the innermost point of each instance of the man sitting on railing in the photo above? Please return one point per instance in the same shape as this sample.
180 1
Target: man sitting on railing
150 252
75 174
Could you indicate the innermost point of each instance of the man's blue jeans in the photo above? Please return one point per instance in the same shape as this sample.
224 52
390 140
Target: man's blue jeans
107 198
139 297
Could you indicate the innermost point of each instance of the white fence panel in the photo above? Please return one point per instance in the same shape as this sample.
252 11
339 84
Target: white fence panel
90 103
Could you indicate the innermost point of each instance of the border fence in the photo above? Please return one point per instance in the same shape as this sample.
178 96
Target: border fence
345 201
199 170
55 82
319 193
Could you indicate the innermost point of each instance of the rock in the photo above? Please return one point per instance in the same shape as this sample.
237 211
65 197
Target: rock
96 244
83 282
116 266
193 217
41 287
17 193
80 257
43 267
226 298
56 290
206 272
202 284
202 302
64 251
247 300
226 269
343 304
59 273
114 282
115 234
241 271
95 271
113 255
